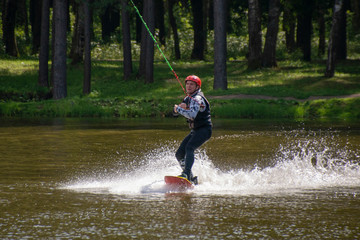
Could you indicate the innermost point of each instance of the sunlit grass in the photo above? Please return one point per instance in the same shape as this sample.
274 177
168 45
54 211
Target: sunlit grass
112 96
290 78
18 67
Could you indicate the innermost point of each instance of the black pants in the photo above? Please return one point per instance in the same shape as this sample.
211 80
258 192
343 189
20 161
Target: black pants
191 142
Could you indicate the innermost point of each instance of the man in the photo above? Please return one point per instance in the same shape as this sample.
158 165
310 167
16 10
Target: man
196 109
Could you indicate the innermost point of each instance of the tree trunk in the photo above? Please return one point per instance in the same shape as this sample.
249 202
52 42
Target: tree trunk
220 75
35 20
87 47
206 5
198 48
304 30
52 49
22 16
105 25
210 24
336 20
139 24
255 43
8 22
110 20
143 45
269 55
341 49
321 22
159 20
355 5
149 56
59 64
127 62
77 46
44 45
289 21
173 25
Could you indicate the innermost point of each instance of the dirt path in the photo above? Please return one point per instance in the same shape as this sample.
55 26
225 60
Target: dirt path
245 96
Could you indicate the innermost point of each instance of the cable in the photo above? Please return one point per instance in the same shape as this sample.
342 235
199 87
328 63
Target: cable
162 53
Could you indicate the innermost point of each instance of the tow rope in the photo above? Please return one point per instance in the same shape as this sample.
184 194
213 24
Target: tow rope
156 43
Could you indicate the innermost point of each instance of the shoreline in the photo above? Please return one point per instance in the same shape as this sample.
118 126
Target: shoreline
238 106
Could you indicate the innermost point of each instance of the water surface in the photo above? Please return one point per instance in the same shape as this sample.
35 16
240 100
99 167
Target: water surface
94 179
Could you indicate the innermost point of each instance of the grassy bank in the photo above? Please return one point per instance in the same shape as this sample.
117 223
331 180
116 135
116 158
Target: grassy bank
344 109
111 96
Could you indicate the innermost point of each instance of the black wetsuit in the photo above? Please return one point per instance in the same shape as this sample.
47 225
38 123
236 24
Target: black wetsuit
199 119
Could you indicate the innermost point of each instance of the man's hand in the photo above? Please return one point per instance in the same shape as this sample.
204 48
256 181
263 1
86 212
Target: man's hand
182 105
175 107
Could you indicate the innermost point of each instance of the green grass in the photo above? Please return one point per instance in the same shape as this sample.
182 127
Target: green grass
296 79
111 96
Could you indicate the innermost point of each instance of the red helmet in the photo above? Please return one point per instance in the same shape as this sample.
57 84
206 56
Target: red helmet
194 79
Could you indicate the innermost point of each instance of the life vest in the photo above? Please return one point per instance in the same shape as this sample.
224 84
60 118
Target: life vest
203 118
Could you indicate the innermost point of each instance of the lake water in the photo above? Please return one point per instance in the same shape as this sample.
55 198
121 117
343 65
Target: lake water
103 179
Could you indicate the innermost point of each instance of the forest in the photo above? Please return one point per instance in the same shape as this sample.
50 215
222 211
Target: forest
60 34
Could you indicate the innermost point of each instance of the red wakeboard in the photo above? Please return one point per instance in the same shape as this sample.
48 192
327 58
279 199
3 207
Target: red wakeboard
178 182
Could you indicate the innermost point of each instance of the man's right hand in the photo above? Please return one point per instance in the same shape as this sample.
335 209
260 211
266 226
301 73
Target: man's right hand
183 105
